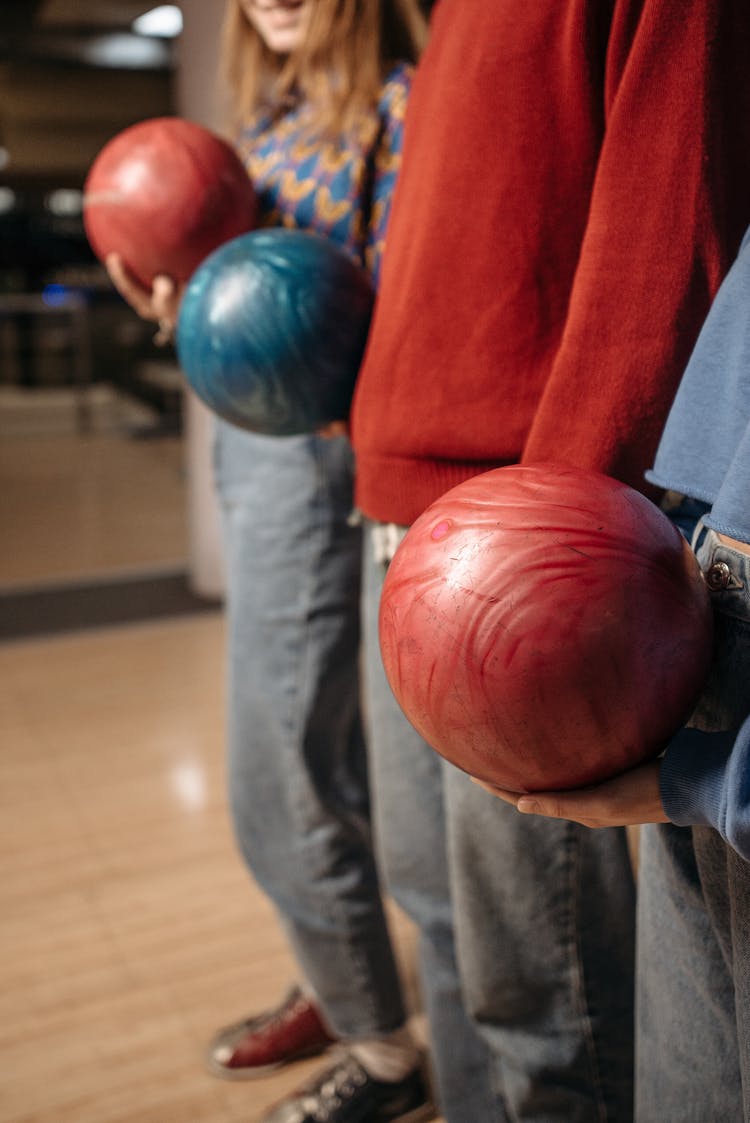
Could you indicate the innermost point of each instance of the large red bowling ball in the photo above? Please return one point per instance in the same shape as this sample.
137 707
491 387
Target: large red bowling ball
164 193
544 627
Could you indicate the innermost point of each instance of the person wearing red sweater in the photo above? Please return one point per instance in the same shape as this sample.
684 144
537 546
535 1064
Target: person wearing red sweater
574 187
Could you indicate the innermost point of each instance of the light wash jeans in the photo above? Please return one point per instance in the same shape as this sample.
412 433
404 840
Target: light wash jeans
693 1039
297 769
526 925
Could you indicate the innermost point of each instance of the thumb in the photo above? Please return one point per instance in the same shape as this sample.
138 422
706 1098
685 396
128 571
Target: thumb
164 297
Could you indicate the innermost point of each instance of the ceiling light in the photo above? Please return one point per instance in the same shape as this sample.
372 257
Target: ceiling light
124 51
165 21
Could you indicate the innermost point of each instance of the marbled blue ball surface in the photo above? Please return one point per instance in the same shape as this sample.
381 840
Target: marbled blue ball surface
272 329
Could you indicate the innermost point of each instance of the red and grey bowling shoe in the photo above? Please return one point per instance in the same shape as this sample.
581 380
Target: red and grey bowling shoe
290 1032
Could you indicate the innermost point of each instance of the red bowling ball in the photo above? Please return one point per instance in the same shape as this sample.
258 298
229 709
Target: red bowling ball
164 193
545 628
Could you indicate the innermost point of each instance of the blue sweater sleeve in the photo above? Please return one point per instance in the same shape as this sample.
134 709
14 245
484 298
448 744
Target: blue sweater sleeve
705 781
705 449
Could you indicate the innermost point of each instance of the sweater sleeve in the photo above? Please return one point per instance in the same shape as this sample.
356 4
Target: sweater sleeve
730 513
705 780
387 161
704 451
669 206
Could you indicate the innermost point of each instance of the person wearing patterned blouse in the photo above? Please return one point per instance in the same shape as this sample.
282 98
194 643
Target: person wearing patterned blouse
318 94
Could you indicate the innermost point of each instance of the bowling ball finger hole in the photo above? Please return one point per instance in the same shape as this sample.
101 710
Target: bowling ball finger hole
440 530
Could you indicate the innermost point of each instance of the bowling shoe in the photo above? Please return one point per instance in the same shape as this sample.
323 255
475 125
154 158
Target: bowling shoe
258 1045
346 1093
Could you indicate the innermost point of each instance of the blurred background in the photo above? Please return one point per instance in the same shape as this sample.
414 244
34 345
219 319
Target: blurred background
92 412
105 465
129 930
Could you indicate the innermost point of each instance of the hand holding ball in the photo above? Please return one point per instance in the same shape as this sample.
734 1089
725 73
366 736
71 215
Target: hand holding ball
545 628
273 323
163 194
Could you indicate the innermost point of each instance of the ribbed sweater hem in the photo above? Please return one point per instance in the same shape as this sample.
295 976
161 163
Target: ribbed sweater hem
396 489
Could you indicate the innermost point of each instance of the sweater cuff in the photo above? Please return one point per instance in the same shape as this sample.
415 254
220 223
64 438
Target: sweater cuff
692 778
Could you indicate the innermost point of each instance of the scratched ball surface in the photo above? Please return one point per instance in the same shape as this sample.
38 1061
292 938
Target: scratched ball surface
544 627
164 193
272 329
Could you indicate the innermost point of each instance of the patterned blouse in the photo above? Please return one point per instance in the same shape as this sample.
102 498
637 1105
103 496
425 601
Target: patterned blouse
340 191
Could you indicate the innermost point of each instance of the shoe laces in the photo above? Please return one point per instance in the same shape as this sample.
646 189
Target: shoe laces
331 1089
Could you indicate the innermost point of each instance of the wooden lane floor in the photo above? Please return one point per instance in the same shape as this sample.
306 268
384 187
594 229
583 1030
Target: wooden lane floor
130 929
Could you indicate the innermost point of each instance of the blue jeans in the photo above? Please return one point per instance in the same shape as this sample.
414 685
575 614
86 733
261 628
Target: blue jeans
693 1039
526 926
297 768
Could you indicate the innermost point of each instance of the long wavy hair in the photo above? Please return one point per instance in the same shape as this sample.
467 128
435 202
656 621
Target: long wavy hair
338 70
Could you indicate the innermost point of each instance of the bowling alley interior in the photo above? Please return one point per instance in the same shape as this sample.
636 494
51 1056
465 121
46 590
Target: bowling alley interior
130 928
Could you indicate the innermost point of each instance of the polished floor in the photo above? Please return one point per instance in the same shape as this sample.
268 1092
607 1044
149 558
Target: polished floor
129 927
86 506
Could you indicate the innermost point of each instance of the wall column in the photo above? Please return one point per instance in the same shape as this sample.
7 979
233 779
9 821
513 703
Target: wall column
196 98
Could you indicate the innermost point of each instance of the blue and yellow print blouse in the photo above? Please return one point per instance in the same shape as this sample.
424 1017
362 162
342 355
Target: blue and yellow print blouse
342 191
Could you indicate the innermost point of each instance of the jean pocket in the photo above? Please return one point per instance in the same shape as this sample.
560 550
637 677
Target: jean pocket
725 701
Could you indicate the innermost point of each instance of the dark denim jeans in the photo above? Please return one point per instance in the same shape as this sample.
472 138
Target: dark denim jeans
693 1042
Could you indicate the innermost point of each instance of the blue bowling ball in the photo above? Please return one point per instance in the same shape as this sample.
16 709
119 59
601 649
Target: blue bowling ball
272 328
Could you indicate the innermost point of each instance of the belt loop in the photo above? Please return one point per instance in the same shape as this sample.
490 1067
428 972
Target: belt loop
698 533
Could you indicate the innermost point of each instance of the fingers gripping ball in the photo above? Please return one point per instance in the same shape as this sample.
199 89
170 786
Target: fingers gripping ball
164 193
272 329
544 627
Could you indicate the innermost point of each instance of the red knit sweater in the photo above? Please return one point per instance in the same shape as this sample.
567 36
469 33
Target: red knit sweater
575 184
